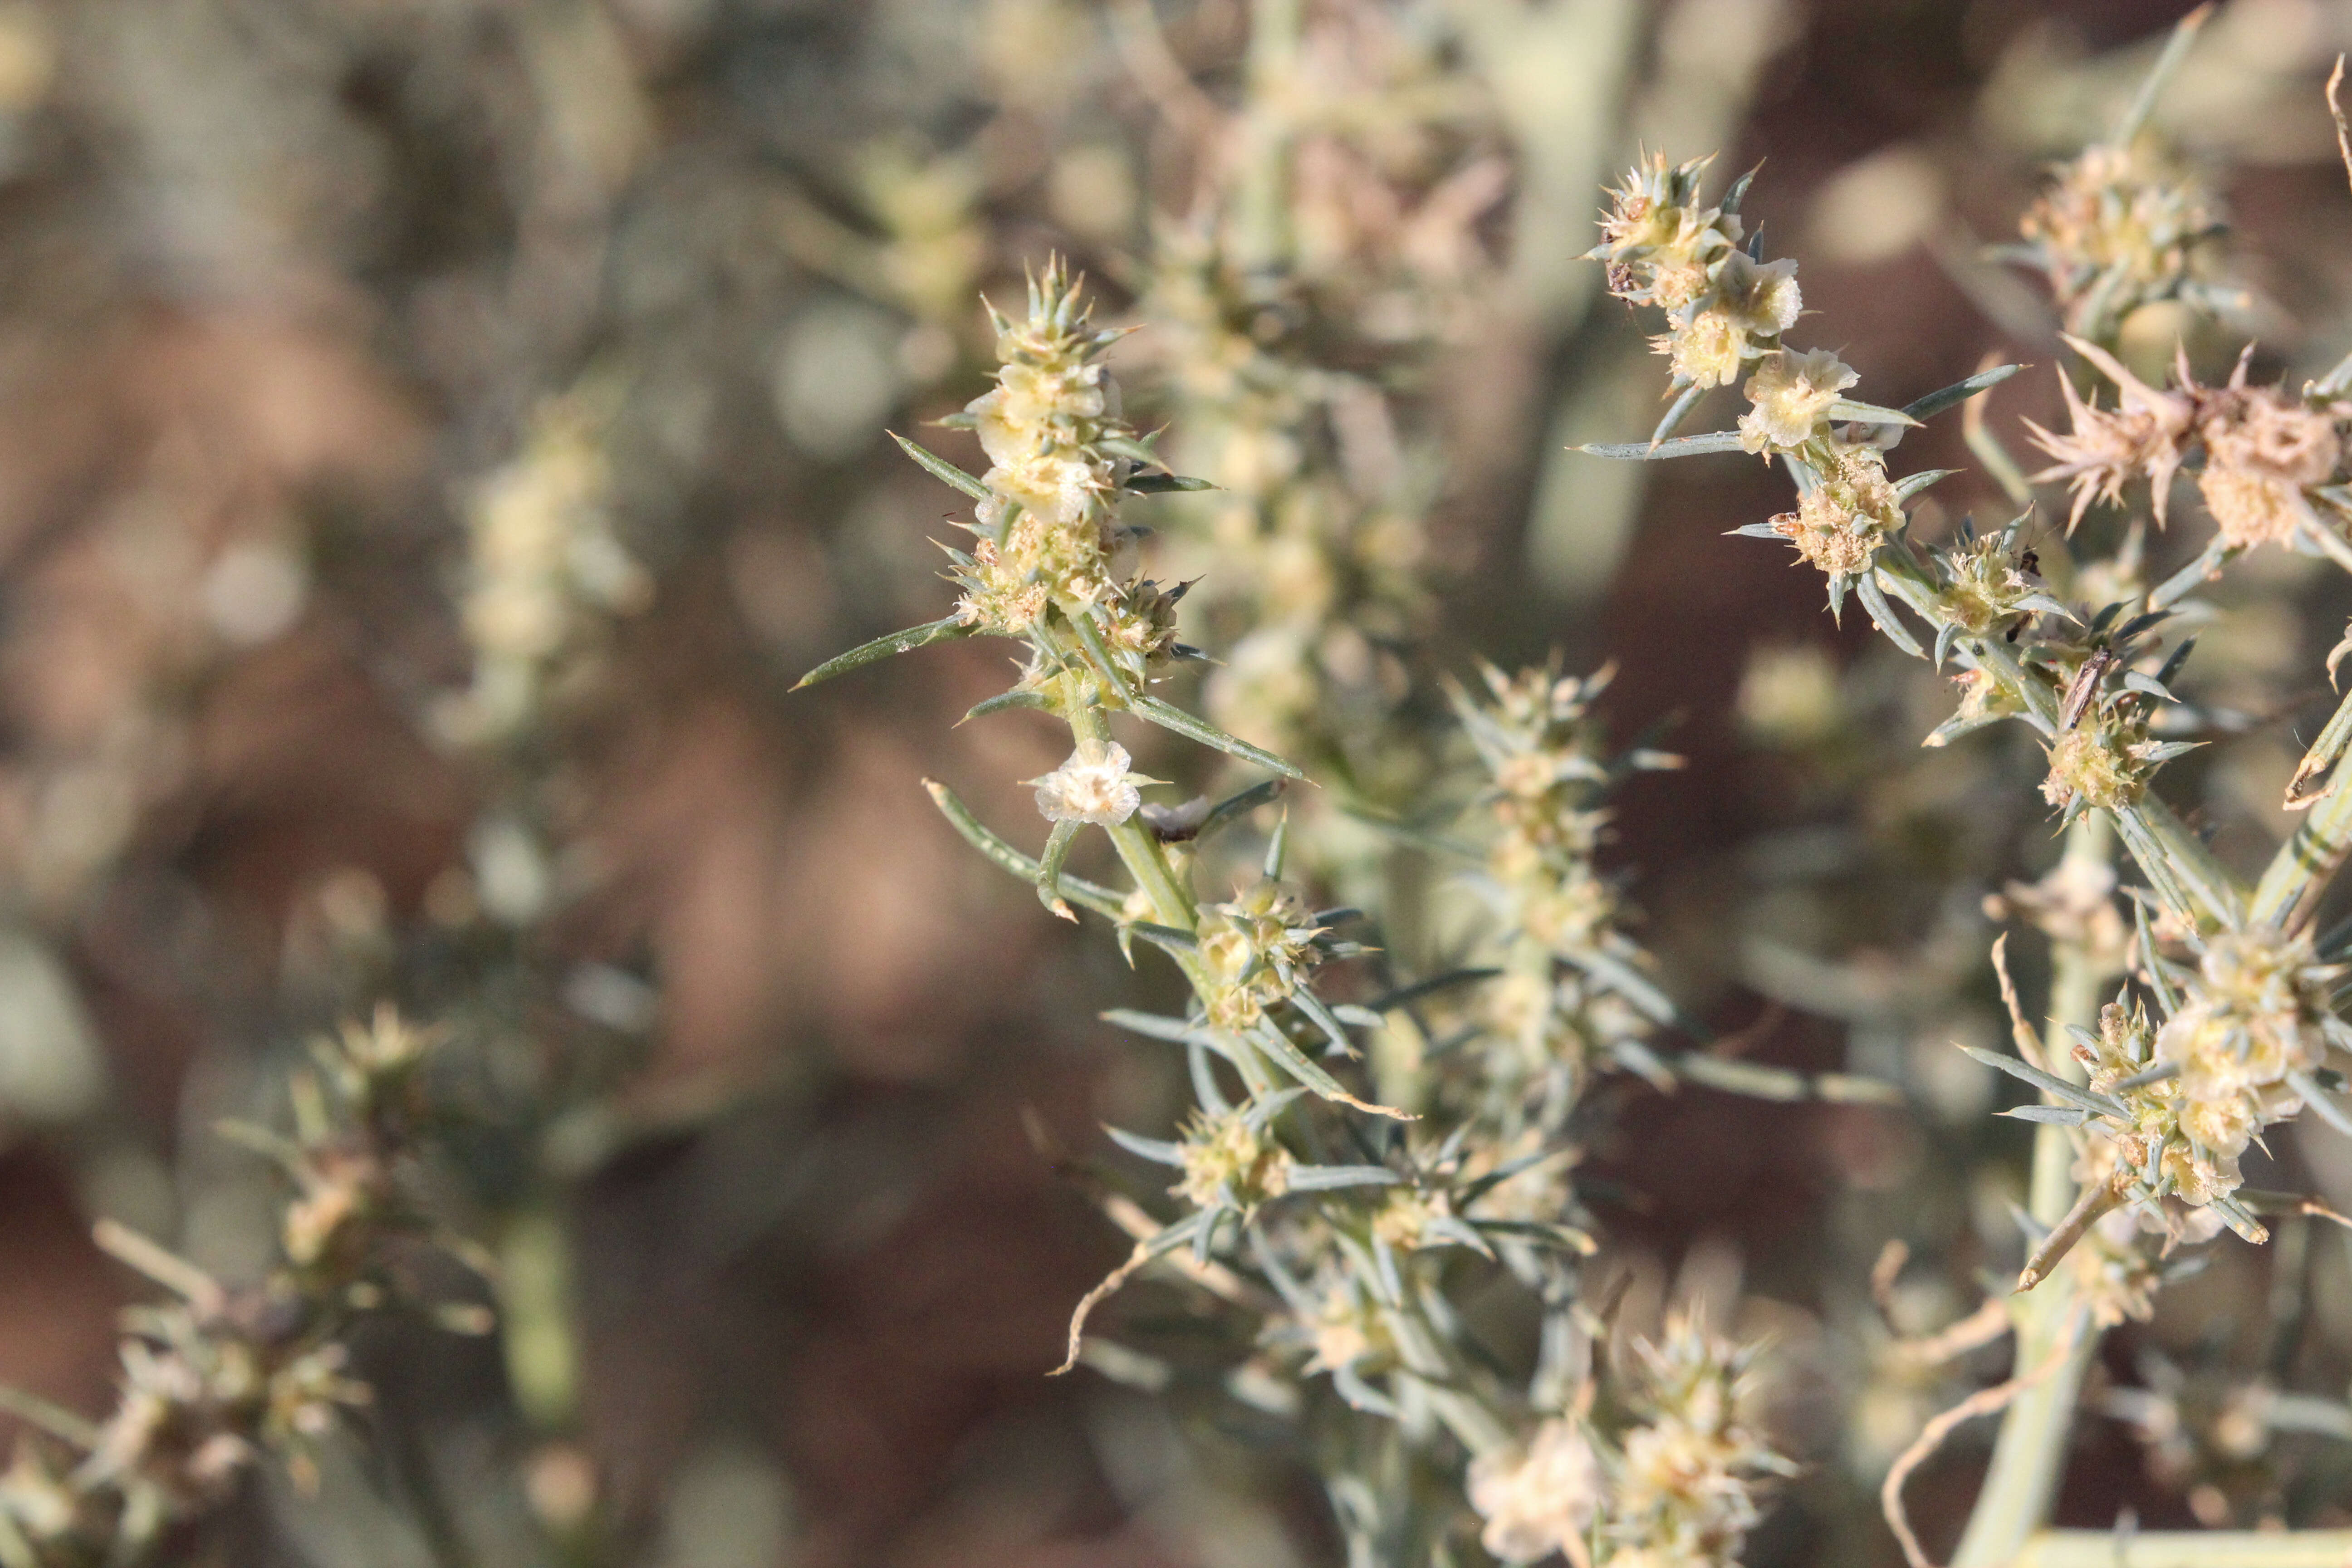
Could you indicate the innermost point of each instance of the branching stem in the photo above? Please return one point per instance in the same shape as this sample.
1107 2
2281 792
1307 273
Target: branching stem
2029 1457
2289 890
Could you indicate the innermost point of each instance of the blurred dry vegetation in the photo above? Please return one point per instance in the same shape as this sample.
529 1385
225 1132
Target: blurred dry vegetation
301 302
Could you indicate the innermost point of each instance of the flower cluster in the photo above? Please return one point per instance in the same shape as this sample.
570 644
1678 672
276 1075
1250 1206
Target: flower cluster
1848 513
1046 526
2253 1024
2121 227
1231 1159
1312 542
1724 307
1678 1488
1725 310
1558 1010
2103 750
1052 562
1987 582
2102 765
1686 1489
217 1377
543 557
1254 950
2267 455
2243 1040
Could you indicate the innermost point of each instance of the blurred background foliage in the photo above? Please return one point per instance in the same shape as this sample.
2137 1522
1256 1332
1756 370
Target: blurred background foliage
435 433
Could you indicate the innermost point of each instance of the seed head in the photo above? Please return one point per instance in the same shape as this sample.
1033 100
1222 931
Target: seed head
1230 1162
2095 766
1840 523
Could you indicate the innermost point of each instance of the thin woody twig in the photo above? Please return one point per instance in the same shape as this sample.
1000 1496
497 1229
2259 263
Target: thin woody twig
1932 1436
1977 1330
2336 109
2028 1043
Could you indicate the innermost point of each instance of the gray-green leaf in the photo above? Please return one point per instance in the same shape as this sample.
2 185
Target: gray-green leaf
941 469
1680 447
942 630
1925 408
1167 716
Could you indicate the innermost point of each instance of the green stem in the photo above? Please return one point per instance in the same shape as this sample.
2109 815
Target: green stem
2194 864
535 1306
1261 209
2300 870
2029 1457
2188 1549
1145 859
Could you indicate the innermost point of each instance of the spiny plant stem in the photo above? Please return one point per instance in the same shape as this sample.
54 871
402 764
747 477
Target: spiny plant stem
1261 238
2188 1549
2300 870
2029 1457
1145 860
1452 1395
2173 857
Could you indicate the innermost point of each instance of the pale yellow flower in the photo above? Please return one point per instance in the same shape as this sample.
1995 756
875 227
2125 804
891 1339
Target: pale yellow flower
1708 350
1033 404
1792 390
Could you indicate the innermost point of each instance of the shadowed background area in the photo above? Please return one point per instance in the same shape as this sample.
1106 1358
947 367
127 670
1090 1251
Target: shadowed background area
436 434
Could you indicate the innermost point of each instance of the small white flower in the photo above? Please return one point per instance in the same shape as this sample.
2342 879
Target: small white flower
1093 785
1538 1500
1792 391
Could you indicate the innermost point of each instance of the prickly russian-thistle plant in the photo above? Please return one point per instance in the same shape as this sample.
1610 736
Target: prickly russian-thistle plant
216 1379
2090 679
1340 1231
2226 1022
1338 1220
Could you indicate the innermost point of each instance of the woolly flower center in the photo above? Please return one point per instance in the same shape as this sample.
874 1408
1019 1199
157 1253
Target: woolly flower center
1228 1161
1838 525
2084 763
